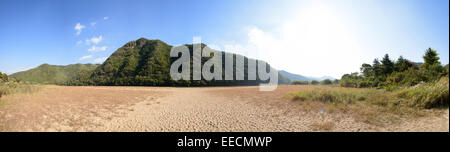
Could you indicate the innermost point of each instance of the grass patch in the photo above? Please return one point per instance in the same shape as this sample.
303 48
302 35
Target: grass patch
7 88
428 95
377 106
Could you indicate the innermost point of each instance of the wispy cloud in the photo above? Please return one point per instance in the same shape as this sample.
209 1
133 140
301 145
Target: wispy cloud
79 42
85 57
94 40
97 49
79 28
93 23
105 18
100 60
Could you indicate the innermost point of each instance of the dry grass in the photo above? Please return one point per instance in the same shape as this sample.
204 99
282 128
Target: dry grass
325 126
371 106
428 95
7 88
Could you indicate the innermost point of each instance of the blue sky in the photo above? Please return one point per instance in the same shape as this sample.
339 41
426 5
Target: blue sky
313 38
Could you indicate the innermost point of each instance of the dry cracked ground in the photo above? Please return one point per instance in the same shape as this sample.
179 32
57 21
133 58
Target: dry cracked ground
204 109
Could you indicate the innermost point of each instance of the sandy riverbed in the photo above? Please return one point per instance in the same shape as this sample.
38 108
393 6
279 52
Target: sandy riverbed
62 108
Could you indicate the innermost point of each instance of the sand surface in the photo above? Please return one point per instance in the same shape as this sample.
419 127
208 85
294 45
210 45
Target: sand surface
62 108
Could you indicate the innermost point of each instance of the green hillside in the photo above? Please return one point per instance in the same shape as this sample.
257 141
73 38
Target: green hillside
146 62
53 74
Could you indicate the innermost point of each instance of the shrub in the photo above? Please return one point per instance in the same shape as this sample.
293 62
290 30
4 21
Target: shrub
314 82
300 83
428 95
336 81
326 82
3 77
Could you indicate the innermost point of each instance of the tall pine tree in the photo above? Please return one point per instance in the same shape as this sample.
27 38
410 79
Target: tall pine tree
387 66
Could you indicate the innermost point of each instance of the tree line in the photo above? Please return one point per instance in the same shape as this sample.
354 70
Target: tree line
391 74
315 82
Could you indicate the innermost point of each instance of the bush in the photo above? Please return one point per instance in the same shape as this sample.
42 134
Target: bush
300 83
428 95
336 81
326 82
314 82
3 77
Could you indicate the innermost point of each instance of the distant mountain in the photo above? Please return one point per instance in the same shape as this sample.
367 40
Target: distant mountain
146 62
418 63
298 77
323 78
53 74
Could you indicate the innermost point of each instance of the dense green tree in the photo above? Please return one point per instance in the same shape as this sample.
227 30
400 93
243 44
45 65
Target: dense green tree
367 70
387 66
300 83
390 75
314 82
402 64
351 80
376 66
430 57
431 67
326 82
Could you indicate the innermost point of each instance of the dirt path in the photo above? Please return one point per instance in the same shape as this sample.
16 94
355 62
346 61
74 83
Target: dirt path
59 108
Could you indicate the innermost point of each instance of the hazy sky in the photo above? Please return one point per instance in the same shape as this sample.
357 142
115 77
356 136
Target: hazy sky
312 38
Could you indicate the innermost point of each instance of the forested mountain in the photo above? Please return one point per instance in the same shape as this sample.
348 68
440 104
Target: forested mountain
53 74
146 62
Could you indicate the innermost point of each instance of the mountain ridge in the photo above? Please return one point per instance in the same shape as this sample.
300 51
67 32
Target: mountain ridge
299 77
53 74
140 62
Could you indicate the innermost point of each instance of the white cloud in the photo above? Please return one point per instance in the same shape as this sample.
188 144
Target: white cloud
79 28
85 57
315 43
100 60
94 40
105 18
79 42
93 23
97 49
